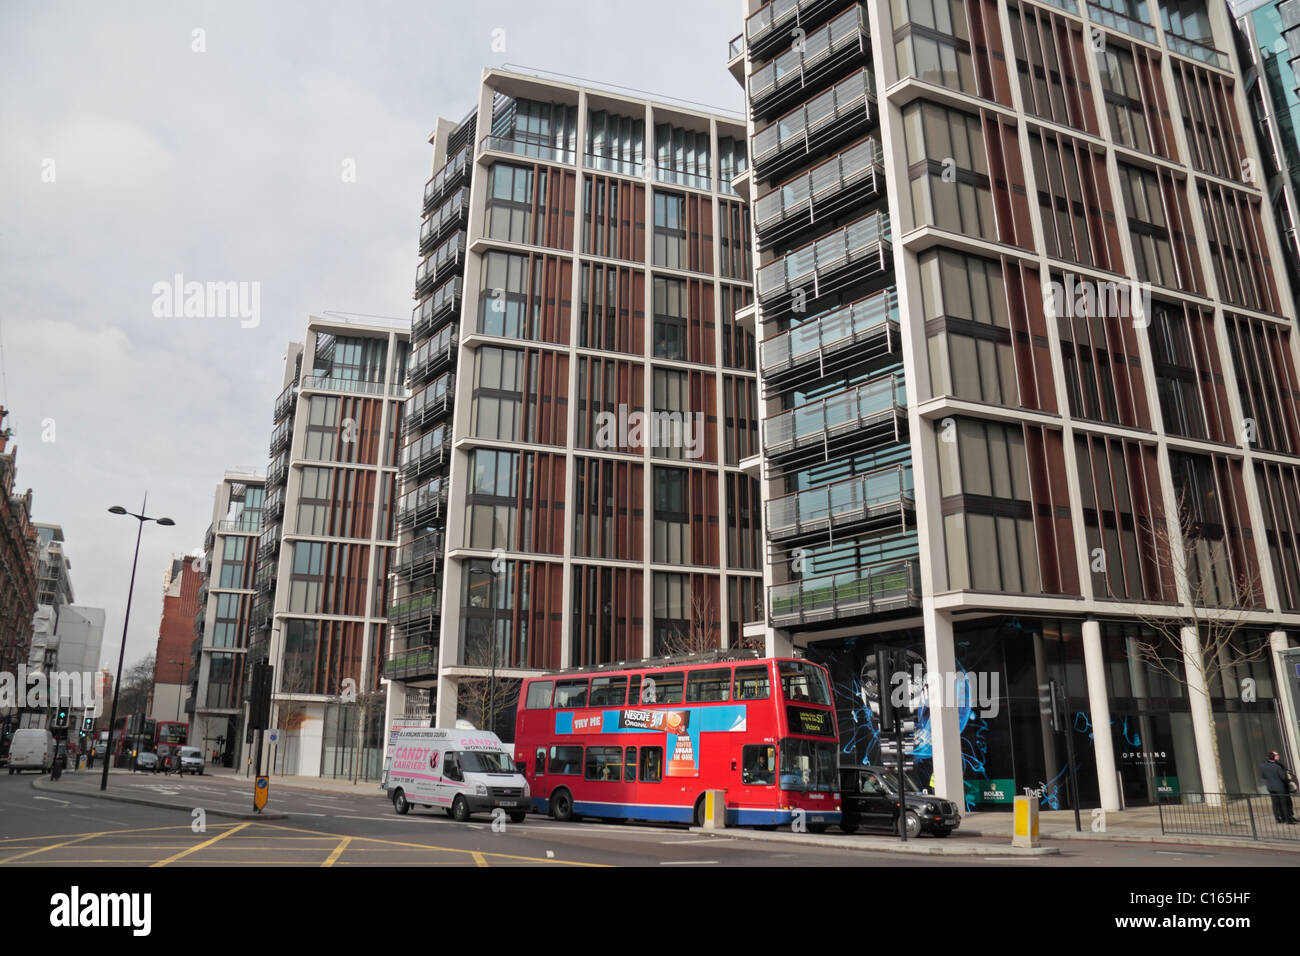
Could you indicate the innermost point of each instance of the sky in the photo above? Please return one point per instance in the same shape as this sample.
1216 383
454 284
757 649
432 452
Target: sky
278 143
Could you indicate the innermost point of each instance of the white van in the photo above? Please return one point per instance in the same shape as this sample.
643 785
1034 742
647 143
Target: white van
31 749
462 771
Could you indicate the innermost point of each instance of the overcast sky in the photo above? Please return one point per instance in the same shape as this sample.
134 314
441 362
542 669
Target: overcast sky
127 157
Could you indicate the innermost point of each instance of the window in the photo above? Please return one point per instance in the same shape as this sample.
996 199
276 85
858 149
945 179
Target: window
970 341
498 398
652 764
670 230
604 763
1164 249
948 169
566 760
232 561
629 764
934 44
608 692
539 760
664 688
753 683
539 695
808 765
493 498
504 307
1074 200
510 202
570 694
758 765
670 318
1133 91
672 541
1053 71
708 686
804 682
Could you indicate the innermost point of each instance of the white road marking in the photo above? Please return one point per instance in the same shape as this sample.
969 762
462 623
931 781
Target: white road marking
66 803
688 862
713 840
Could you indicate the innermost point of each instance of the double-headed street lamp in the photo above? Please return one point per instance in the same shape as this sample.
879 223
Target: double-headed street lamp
121 656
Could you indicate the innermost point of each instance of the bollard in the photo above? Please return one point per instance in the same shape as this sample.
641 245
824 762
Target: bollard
1025 831
715 809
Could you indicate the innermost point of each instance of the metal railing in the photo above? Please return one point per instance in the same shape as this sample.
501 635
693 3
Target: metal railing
801 195
836 414
804 123
327 383
682 177
1197 50
442 302
814 262
432 399
883 492
412 661
284 401
423 550
504 144
735 46
448 253
867 590
445 177
849 325
451 212
1118 21
792 66
1246 816
609 164
433 352
240 524
431 496
429 449
424 603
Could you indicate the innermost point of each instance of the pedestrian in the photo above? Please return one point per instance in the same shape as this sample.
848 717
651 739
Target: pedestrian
1278 781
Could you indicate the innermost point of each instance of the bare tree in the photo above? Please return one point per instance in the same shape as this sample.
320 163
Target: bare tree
474 698
1203 641
700 631
137 687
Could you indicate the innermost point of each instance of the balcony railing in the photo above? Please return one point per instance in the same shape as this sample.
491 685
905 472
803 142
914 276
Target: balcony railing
431 401
682 177
269 541
424 552
435 267
819 193
424 503
276 471
791 73
884 495
1118 21
770 25
433 354
859 591
1196 49
844 415
209 538
280 437
518 147
452 213
817 124
857 250
609 164
430 451
245 525
414 662
328 383
285 402
735 46
868 328
421 604
443 304
445 178
273 507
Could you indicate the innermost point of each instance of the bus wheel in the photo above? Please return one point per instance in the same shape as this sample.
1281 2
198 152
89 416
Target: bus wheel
400 803
562 806
699 811
518 816
460 810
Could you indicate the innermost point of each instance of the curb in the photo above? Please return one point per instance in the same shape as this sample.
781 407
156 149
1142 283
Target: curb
1156 838
929 848
143 802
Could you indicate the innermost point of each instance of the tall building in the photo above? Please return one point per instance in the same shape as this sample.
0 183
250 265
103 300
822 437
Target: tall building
582 397
223 621
1028 386
325 550
173 654
54 582
18 560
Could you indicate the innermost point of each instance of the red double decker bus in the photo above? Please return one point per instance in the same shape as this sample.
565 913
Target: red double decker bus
643 741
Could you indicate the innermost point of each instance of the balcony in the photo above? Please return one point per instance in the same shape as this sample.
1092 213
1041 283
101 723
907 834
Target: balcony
833 597
519 147
860 331
874 413
437 308
769 27
433 355
423 457
736 58
452 174
263 613
806 66
848 255
284 403
433 401
1118 21
432 269
425 504
841 113
413 663
277 470
209 538
609 164
453 213
329 383
273 507
281 436
420 555
682 177
1196 49
268 543
426 604
846 179
202 598
874 500
245 525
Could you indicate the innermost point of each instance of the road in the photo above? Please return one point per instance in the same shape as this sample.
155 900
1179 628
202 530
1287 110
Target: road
68 827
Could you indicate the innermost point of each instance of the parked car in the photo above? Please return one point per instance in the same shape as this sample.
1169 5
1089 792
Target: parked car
868 796
147 762
31 749
191 760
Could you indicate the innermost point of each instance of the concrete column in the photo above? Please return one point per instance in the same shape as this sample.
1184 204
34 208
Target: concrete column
1198 698
1278 643
1094 665
945 736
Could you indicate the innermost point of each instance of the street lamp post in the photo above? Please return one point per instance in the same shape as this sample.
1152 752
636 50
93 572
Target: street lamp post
126 620
492 680
180 681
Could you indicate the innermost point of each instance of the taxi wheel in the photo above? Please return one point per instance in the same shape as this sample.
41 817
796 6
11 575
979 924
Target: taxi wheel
913 825
459 810
400 803
849 824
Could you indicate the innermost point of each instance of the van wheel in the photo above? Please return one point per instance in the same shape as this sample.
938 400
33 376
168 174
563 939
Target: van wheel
460 810
518 816
562 806
698 819
400 803
447 810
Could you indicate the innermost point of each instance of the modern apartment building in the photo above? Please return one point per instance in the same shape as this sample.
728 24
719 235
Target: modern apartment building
325 549
581 398
1028 388
223 621
54 570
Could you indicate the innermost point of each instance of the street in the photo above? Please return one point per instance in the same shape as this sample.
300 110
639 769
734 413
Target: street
61 824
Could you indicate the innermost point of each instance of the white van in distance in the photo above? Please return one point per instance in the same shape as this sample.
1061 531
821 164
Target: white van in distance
31 749
462 771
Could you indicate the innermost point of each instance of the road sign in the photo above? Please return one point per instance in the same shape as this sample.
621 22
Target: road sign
275 736
261 791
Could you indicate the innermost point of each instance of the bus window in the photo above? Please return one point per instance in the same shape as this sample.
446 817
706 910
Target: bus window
752 683
663 688
758 765
634 691
603 763
566 760
804 682
539 765
652 762
539 695
708 686
570 693
608 691
629 764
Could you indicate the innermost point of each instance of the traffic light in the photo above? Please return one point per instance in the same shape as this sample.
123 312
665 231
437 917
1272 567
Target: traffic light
86 725
259 698
61 716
